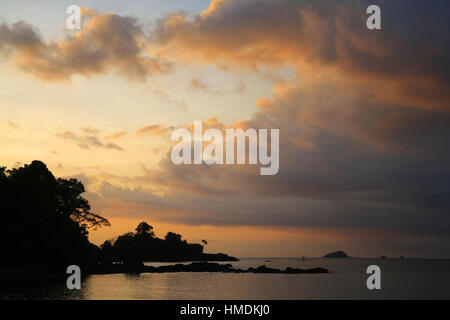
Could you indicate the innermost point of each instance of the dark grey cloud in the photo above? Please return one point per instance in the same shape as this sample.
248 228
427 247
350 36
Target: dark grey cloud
346 161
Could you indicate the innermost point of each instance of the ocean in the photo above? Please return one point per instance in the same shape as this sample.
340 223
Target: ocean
400 279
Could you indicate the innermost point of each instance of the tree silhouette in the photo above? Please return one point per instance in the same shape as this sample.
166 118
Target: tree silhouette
145 228
45 220
131 248
173 237
72 205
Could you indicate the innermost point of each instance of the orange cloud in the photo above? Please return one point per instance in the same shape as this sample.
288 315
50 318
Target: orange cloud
402 66
116 135
198 84
155 129
106 43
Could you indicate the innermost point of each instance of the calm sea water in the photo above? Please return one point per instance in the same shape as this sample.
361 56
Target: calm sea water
400 279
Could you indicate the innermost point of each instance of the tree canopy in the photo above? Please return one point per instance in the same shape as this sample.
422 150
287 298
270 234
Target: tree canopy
44 220
145 228
144 246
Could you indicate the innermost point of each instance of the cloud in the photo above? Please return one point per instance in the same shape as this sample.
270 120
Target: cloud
241 87
409 212
155 130
363 129
198 84
407 61
116 135
107 43
182 105
306 34
13 125
347 161
88 141
91 131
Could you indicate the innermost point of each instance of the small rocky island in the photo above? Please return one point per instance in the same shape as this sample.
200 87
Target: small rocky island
196 267
336 254
143 245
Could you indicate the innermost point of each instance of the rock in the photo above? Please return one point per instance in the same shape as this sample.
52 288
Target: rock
200 267
336 254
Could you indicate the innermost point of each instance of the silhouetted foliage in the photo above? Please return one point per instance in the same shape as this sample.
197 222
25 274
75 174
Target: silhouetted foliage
71 204
133 248
145 228
173 237
45 220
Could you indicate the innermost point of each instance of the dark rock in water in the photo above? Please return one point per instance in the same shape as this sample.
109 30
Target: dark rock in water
383 257
312 270
217 257
199 267
336 254
402 257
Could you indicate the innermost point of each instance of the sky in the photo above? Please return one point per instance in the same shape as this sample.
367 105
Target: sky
363 115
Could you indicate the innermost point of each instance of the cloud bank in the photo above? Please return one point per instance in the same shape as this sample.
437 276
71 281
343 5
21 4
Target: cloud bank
106 43
364 127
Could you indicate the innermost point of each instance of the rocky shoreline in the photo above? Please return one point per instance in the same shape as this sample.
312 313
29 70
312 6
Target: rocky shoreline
50 273
199 267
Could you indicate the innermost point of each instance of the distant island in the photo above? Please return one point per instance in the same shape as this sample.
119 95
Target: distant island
336 254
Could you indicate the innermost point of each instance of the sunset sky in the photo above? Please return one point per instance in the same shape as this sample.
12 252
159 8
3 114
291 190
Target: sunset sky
364 118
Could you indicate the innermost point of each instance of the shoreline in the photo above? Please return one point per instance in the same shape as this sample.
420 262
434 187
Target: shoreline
202 267
42 272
